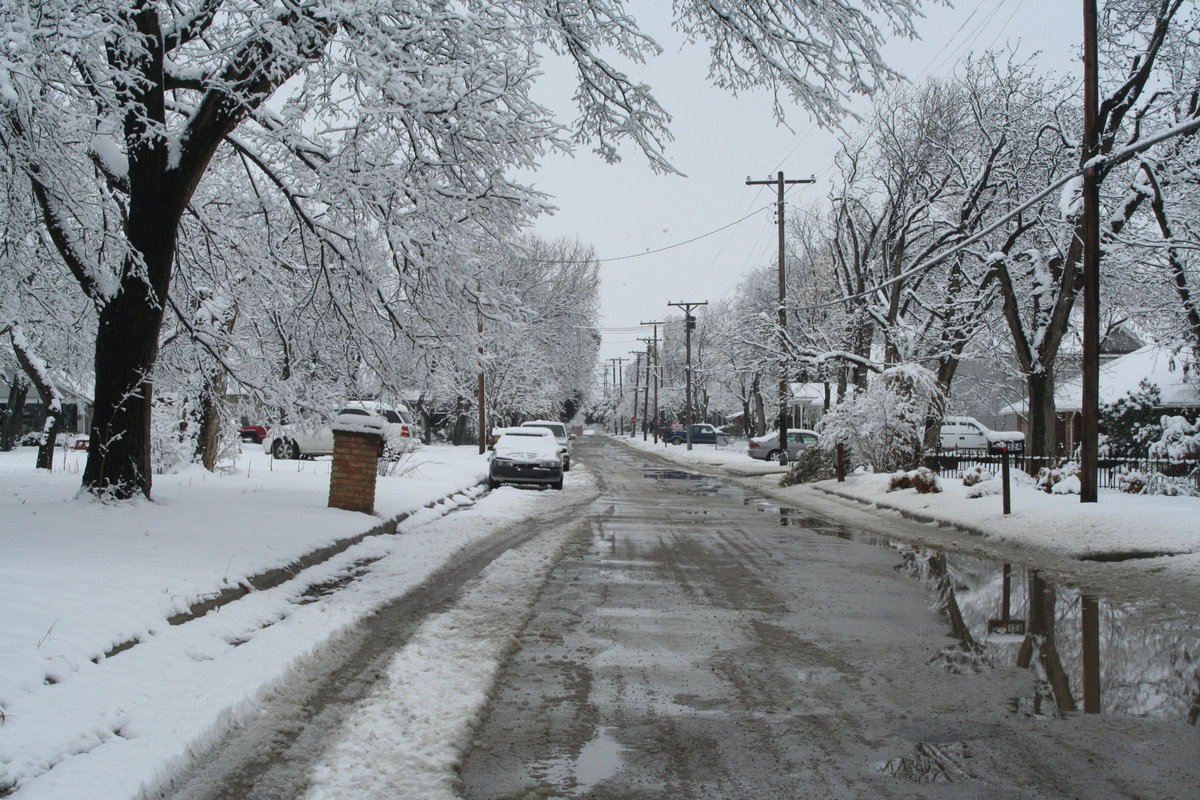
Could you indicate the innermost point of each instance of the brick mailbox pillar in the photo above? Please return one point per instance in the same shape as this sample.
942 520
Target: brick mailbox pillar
356 445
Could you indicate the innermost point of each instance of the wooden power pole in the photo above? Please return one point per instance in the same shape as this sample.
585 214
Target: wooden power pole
688 324
1090 407
657 376
779 183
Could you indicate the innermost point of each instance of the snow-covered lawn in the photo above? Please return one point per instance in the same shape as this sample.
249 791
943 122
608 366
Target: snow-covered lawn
1042 524
78 579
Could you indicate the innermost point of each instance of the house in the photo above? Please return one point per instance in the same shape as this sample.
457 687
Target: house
1178 385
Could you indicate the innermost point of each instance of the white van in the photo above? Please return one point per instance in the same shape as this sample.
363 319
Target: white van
968 433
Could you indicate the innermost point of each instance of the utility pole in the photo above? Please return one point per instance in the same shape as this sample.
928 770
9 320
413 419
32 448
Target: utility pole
637 373
689 322
646 396
657 374
1089 442
618 381
779 183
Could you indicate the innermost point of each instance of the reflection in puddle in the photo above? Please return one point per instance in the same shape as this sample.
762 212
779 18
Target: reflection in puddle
597 761
1088 654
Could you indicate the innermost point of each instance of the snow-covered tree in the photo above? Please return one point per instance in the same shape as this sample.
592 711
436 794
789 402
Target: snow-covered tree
398 119
883 426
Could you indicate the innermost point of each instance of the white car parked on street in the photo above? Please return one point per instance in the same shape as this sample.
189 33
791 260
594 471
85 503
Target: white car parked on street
561 435
300 441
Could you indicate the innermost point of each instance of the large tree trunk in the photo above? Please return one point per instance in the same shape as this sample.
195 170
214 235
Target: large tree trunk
118 462
1040 446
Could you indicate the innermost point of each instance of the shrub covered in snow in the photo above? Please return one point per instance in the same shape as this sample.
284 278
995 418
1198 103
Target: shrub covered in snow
1132 481
1060 480
924 480
994 484
883 426
974 475
1180 440
1131 423
811 465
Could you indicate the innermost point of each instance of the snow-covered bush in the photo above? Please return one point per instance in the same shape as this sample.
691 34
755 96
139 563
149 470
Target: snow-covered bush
974 475
173 430
1060 480
883 426
923 479
1131 423
1132 481
1180 440
994 484
810 465
1169 486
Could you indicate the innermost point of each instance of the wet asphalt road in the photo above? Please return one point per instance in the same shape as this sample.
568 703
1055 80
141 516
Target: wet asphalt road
693 646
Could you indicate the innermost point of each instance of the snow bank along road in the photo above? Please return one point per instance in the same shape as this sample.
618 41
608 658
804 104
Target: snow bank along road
382 711
697 641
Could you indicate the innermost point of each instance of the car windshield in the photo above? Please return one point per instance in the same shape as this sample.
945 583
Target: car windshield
559 431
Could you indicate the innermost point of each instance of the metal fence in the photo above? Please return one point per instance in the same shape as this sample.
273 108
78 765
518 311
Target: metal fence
949 464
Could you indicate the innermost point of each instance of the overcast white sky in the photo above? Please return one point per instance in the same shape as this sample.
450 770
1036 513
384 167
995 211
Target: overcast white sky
625 210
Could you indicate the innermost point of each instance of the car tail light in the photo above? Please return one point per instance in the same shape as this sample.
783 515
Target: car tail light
405 432
754 444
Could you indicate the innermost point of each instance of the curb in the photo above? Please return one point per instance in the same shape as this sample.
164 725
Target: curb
909 515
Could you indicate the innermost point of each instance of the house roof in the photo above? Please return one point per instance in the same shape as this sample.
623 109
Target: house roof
807 394
1159 365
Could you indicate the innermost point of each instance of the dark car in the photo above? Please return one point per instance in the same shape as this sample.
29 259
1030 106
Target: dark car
525 456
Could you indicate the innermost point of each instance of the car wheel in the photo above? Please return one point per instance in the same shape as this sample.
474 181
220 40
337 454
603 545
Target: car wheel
773 455
557 484
285 448
567 465
493 484
676 440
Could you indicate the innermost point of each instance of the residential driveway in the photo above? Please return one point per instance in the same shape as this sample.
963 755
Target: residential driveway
700 642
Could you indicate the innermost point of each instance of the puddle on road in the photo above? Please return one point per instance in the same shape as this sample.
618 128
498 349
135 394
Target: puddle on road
1089 654
598 760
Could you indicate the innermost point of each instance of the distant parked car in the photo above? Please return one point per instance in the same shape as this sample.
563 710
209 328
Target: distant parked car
527 456
702 433
299 441
968 433
767 446
561 435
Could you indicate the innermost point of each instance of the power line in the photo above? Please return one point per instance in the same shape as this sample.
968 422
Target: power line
671 246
